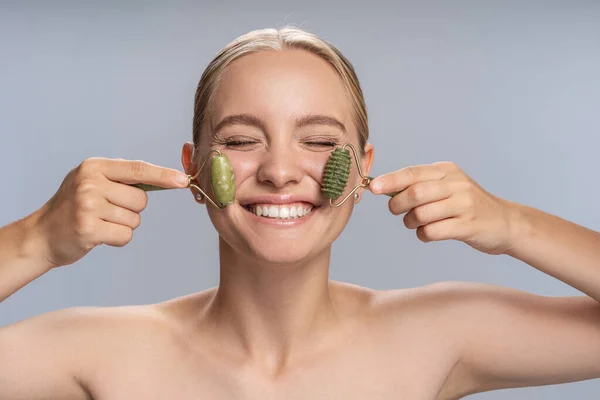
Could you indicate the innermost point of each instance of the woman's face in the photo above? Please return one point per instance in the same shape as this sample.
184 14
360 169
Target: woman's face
278 115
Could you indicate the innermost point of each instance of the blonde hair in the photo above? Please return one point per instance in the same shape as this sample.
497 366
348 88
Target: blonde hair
274 40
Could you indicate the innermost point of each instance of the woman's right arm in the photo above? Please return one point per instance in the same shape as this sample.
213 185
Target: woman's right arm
94 205
21 257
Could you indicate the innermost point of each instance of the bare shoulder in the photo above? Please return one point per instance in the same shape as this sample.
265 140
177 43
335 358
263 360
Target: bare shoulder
453 302
462 306
424 302
50 355
452 296
55 353
410 311
77 322
400 303
500 337
72 330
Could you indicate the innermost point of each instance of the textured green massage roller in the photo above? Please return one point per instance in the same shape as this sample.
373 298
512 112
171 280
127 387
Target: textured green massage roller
222 181
222 178
337 172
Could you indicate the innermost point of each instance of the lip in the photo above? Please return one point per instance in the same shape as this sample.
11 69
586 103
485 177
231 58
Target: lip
279 199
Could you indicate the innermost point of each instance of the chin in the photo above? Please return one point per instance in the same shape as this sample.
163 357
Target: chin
291 256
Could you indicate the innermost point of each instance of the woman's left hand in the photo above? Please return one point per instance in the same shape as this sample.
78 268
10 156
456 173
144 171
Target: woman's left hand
441 202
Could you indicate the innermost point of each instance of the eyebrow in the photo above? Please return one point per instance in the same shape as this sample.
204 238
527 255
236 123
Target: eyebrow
313 119
240 119
253 120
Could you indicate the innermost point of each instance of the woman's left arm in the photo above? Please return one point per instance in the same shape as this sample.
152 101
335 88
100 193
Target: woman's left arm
560 248
508 338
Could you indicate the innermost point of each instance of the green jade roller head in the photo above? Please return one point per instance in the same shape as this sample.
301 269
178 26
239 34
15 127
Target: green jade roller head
337 172
222 181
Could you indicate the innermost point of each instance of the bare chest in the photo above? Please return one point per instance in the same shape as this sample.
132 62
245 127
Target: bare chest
407 373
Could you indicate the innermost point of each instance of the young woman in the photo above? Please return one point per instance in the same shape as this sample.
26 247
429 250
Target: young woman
277 103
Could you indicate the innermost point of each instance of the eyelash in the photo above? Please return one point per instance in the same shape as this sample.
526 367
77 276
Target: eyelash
240 143
328 143
233 143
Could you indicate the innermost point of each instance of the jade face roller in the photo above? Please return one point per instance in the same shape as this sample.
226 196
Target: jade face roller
337 172
222 180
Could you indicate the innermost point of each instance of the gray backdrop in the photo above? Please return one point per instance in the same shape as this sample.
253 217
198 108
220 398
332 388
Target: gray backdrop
507 89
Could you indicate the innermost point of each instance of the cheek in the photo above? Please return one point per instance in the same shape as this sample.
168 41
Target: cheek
244 166
314 165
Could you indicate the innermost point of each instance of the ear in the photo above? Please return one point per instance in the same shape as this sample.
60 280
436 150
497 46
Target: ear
187 156
189 166
367 159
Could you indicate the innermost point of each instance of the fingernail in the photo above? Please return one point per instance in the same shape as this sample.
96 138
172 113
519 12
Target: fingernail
376 186
182 179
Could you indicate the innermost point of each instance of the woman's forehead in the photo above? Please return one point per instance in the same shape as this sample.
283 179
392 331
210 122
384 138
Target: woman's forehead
285 84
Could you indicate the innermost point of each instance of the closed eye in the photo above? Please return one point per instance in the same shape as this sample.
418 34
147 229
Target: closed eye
233 143
321 140
322 143
239 143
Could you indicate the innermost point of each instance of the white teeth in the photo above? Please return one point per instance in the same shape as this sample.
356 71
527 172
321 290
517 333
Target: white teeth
280 212
273 212
284 212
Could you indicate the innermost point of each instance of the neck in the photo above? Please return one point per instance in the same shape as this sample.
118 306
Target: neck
271 309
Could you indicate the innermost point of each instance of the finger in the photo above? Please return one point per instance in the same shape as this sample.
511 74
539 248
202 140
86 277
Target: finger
419 194
445 229
119 215
128 197
447 166
115 235
432 212
127 171
405 177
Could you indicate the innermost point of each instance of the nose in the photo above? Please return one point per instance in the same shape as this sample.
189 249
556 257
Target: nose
280 168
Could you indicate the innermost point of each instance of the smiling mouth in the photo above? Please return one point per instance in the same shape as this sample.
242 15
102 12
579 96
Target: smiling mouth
282 212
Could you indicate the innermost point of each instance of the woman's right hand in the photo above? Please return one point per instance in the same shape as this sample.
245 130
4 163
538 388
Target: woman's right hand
96 205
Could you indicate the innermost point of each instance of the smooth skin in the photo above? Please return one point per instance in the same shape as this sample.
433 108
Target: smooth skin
277 327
